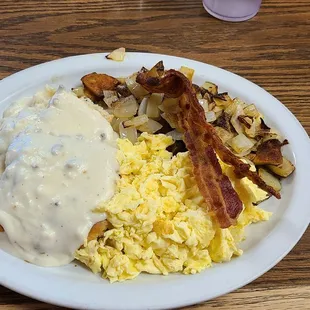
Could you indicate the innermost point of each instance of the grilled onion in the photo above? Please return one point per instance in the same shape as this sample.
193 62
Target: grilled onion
129 133
150 126
210 116
125 107
109 97
235 121
250 110
116 121
153 102
175 135
170 105
136 89
224 134
241 144
143 106
136 121
204 103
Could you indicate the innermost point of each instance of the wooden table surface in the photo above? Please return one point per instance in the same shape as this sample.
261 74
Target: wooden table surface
272 50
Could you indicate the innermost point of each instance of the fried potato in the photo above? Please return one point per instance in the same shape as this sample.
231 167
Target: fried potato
158 70
222 100
188 72
117 55
90 95
96 83
270 179
283 170
269 153
1 229
123 90
97 230
224 121
210 87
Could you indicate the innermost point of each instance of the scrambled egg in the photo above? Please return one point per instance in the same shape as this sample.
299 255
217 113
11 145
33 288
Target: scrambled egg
159 220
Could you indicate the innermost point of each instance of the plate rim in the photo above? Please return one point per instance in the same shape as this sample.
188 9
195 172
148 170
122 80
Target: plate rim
32 293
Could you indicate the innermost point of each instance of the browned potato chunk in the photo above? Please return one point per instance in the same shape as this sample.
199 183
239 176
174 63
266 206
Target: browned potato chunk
158 70
96 83
270 179
269 153
188 72
283 170
123 90
90 95
250 110
117 55
97 230
210 87
224 121
222 100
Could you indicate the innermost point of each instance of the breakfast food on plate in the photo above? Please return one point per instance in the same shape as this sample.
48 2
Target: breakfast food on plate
173 194
183 212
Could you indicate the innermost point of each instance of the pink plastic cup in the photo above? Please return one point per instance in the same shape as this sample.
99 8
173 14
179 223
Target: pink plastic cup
232 10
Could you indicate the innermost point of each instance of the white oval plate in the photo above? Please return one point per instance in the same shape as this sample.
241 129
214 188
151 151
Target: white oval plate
267 243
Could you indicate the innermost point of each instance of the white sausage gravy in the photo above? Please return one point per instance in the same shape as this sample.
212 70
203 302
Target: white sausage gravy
58 161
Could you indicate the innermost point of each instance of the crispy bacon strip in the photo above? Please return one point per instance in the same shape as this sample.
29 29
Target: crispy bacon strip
207 171
215 187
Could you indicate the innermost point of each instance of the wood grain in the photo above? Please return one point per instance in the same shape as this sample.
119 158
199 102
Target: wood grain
272 50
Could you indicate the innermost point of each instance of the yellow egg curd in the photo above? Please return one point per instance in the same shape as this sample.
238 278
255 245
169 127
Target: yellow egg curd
159 220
